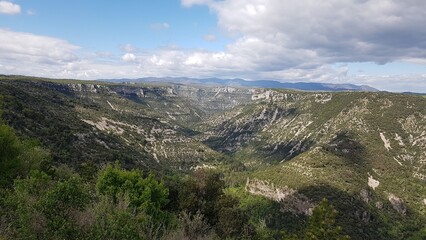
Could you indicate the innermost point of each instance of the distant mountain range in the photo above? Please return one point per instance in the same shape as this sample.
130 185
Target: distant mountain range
306 86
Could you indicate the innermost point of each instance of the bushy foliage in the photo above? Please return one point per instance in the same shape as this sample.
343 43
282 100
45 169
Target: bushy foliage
18 158
114 220
194 226
146 195
10 149
60 204
322 224
39 203
232 221
43 207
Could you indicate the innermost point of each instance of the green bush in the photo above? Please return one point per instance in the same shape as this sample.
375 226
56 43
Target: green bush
322 224
146 195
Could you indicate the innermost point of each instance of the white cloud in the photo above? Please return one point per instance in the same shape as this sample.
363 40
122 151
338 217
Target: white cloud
34 55
420 61
17 46
128 48
129 57
335 31
31 12
9 7
194 60
395 83
160 26
189 3
293 40
299 40
210 38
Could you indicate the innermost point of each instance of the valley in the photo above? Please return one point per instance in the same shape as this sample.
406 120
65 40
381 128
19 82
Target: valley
363 151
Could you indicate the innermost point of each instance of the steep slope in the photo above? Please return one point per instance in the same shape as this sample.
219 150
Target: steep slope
139 125
365 152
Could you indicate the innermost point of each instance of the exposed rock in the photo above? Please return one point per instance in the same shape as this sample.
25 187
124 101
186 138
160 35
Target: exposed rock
399 139
397 204
406 157
170 92
323 98
379 205
104 125
424 201
113 108
373 183
78 87
203 166
415 125
397 161
385 141
386 104
289 198
262 96
75 87
419 175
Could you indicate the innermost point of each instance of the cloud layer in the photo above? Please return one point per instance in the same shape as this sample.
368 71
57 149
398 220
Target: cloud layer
293 40
9 8
308 33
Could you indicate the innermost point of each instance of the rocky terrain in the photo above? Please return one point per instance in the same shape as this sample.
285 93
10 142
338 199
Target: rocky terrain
364 151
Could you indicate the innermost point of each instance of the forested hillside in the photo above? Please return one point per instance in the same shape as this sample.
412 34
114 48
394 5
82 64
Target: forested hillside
94 160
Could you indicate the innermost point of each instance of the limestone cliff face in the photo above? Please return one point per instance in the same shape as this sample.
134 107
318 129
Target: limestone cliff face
194 124
290 200
168 112
286 140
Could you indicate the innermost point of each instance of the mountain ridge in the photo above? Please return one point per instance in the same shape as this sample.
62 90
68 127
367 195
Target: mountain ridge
237 82
363 151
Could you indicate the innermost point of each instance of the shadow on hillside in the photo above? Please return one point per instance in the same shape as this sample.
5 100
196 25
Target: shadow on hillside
236 134
346 146
46 113
285 150
362 220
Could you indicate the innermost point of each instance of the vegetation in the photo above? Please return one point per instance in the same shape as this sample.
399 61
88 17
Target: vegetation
322 223
125 205
98 161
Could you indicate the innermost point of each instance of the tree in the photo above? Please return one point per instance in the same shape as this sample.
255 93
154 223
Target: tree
61 204
18 158
10 149
210 188
194 226
42 208
146 195
114 220
322 224
24 203
232 222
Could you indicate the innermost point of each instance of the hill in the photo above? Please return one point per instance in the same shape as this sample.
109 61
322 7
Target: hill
364 151
217 82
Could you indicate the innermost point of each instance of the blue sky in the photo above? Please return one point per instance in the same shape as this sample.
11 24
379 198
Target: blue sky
101 26
380 43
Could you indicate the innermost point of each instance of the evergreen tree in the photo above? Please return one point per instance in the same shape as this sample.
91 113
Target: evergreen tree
322 224
10 149
146 195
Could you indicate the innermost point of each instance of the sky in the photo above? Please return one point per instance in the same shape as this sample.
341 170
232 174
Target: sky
380 43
